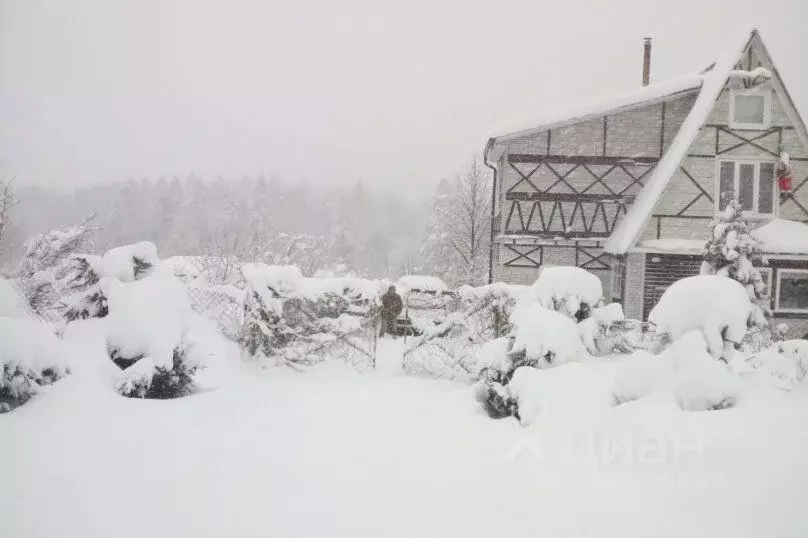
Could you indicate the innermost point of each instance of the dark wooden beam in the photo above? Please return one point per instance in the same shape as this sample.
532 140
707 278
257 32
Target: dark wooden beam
563 235
568 197
578 159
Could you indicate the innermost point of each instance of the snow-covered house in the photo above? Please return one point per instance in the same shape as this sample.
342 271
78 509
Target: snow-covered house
626 188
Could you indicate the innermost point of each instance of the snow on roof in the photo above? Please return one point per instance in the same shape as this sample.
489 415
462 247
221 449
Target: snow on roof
695 246
783 237
653 92
631 226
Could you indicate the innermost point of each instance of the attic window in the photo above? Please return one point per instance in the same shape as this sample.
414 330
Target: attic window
750 109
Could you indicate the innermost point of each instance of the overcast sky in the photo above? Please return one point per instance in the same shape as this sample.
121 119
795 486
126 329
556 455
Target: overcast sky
395 95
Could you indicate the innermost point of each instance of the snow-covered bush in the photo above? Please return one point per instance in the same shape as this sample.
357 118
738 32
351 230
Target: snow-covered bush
146 331
30 356
144 379
12 301
263 332
732 251
540 338
685 371
608 331
571 291
717 306
290 319
489 307
785 364
42 256
83 296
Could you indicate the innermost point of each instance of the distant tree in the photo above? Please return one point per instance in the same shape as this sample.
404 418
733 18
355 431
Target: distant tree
7 201
457 238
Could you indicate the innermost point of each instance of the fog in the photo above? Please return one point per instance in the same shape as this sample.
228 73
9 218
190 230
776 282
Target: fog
396 97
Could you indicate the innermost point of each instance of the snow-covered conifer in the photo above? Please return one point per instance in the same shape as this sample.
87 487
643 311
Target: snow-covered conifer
732 251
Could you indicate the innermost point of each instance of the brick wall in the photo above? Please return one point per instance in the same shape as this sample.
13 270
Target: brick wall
635 282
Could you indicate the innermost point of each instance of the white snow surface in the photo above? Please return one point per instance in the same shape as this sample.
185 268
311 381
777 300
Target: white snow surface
691 246
565 287
711 304
684 373
330 452
12 302
539 331
420 283
780 236
117 262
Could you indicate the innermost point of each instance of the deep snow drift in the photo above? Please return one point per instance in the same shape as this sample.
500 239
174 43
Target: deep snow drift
334 453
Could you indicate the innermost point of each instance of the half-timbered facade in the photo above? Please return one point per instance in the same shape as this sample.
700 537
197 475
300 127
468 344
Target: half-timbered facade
626 188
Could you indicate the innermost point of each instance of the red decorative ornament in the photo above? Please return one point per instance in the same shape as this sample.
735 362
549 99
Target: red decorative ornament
785 183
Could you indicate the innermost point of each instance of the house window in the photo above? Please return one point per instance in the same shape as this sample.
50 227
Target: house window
751 183
792 290
750 109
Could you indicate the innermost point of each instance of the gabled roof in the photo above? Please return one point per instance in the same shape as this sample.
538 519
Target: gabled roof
630 228
708 84
625 101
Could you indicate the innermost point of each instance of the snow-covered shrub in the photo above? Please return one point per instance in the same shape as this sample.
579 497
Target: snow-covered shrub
785 364
144 379
44 251
291 319
717 306
130 262
685 372
30 356
263 332
732 251
571 291
701 383
42 256
608 331
540 338
489 307
83 298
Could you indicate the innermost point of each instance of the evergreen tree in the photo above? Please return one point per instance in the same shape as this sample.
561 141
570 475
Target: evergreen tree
732 251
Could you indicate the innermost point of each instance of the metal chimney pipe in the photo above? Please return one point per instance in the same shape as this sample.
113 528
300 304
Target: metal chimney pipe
646 61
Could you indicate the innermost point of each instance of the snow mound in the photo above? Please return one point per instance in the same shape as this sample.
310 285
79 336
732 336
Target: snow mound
701 382
785 364
12 302
639 375
186 268
684 372
31 346
564 289
424 283
571 390
546 336
780 236
128 261
713 304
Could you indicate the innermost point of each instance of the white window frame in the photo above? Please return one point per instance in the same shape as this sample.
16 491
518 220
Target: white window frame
736 186
780 273
767 109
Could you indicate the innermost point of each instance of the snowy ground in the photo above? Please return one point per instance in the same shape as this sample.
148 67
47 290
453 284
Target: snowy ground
333 453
